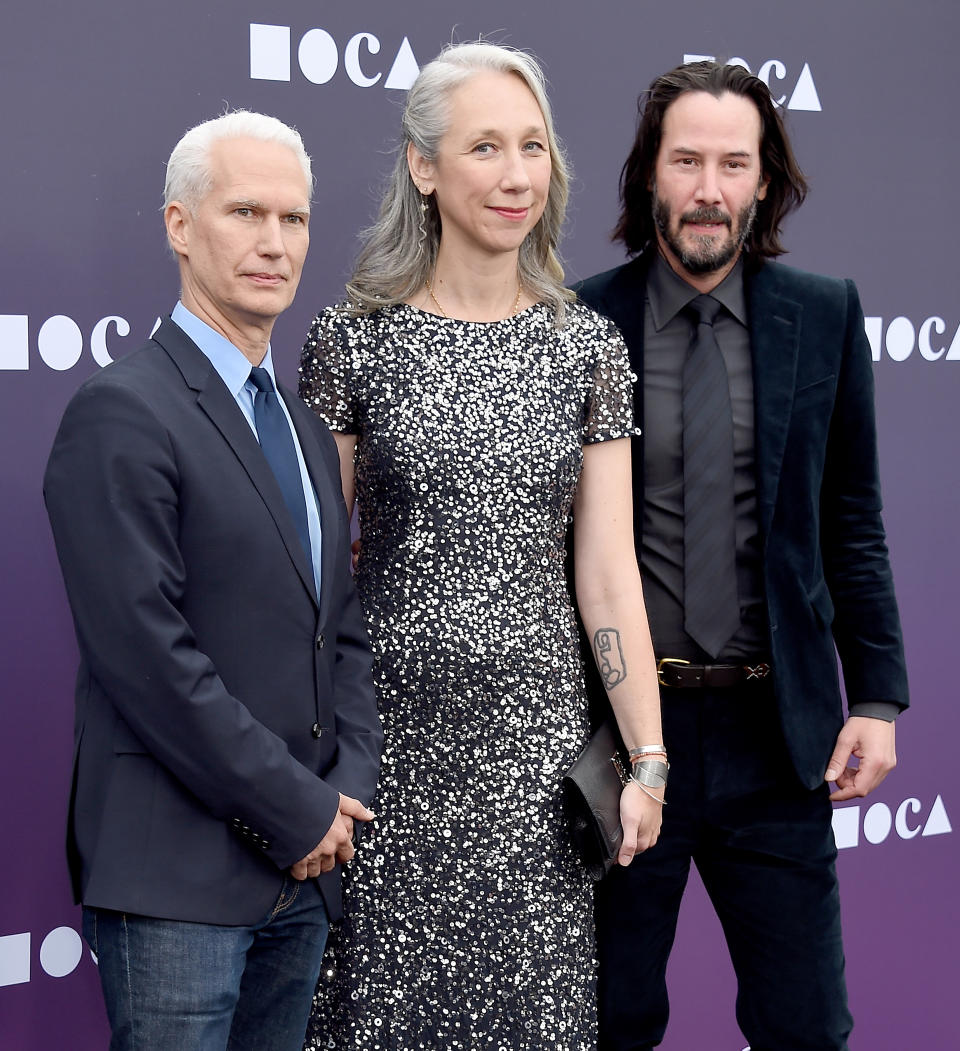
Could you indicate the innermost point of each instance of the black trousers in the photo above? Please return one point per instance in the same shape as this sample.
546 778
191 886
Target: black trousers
764 848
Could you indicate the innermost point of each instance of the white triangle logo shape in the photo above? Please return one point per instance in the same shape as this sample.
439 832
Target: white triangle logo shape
953 354
937 823
404 70
805 95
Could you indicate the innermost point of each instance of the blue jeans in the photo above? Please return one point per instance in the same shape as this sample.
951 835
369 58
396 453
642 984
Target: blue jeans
176 986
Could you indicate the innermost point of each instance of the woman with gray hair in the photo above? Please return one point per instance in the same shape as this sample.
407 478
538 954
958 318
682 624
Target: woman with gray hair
476 406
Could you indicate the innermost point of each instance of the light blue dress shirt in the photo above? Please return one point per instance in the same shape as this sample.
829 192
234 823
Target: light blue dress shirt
234 369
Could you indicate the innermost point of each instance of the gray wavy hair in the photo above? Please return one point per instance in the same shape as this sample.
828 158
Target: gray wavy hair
395 260
189 178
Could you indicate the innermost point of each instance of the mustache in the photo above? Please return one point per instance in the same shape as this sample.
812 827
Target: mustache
707 215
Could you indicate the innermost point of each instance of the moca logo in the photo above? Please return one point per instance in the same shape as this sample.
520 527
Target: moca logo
318 56
60 341
879 821
901 337
804 95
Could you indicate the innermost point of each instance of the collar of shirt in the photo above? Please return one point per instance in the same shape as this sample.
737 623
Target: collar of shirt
668 293
231 364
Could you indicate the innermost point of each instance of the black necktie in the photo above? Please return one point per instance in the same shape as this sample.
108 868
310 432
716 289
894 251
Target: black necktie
711 608
276 441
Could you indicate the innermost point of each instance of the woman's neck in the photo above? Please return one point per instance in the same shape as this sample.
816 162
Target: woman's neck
475 290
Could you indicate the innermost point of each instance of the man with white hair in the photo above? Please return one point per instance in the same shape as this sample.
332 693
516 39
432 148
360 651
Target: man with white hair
227 736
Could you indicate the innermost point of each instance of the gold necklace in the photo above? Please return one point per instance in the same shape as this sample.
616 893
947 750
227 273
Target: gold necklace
436 302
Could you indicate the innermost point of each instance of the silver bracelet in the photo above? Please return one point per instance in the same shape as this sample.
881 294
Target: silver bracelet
656 799
649 772
647 749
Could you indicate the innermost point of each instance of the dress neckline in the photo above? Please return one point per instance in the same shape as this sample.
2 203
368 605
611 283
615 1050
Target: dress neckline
439 318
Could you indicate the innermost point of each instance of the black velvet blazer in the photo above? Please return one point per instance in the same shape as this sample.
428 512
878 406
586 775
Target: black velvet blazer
826 570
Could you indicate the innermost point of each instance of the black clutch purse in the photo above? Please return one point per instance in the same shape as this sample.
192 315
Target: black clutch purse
592 788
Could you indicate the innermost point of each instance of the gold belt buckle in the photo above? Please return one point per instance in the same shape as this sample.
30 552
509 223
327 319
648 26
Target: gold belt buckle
667 660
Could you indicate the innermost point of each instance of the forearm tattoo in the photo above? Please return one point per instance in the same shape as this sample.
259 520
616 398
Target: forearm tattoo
609 654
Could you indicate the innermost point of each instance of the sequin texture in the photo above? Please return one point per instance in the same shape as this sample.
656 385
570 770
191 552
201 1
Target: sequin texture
467 916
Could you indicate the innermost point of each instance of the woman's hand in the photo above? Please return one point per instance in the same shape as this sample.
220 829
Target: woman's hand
640 816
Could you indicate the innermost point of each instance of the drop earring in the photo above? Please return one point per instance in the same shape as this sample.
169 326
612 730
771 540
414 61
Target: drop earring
422 222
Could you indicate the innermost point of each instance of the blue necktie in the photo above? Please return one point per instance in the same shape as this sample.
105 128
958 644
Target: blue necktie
276 441
710 604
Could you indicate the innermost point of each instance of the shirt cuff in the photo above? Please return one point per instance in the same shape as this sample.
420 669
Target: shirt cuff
885 710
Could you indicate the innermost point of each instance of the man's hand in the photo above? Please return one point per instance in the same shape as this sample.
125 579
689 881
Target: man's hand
347 814
872 741
337 845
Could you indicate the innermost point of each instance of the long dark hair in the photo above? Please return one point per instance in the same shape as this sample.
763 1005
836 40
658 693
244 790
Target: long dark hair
787 186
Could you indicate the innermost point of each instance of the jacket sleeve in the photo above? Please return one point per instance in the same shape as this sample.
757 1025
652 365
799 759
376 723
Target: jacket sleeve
359 734
866 624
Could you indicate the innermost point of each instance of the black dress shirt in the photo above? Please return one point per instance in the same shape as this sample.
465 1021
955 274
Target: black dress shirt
668 331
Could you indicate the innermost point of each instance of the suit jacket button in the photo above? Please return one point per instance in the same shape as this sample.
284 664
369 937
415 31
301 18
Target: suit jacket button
320 642
316 730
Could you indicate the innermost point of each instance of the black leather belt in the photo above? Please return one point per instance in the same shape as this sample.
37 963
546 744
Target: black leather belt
672 671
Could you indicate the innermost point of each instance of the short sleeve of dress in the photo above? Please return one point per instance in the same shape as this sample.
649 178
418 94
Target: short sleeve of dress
327 379
608 413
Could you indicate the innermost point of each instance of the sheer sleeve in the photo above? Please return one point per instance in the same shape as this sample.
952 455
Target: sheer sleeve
327 376
608 412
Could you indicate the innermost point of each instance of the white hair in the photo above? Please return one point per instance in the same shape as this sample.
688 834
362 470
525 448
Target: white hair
189 178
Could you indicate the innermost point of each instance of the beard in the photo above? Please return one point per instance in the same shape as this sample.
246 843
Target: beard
708 252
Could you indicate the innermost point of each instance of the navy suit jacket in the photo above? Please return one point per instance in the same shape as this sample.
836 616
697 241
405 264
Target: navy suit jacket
206 658
825 568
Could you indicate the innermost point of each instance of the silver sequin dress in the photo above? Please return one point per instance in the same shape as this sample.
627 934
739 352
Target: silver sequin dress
468 918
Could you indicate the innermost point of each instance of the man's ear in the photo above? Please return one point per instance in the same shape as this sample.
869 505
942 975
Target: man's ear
421 170
762 190
176 218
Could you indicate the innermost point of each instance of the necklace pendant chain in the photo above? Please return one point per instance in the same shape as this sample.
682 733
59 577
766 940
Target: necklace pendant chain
436 302
443 313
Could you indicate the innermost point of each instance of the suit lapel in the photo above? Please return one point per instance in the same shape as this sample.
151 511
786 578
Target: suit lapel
221 407
328 497
774 347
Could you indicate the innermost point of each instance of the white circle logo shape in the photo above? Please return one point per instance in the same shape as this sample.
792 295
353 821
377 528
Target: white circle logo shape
318 56
60 342
900 338
60 952
877 823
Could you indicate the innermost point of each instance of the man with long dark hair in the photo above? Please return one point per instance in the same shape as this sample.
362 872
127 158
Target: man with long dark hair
758 530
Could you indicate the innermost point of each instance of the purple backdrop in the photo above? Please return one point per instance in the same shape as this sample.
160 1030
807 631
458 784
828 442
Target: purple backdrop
96 94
